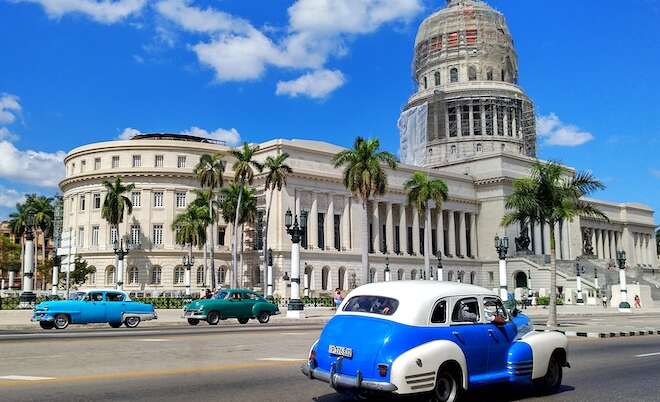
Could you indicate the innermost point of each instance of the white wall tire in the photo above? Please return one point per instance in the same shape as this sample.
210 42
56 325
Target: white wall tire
61 321
263 317
132 321
213 318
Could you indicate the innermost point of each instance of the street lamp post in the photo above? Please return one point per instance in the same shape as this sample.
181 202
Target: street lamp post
624 306
530 292
56 271
596 282
120 252
439 274
578 271
28 297
296 307
502 246
269 276
306 282
388 274
188 262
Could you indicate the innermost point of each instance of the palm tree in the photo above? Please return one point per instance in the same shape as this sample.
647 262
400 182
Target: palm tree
17 221
248 210
209 172
365 177
44 217
190 227
276 177
551 196
116 203
243 168
421 190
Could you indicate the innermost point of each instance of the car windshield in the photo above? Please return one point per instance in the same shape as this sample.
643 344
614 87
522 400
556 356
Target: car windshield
220 295
77 296
372 304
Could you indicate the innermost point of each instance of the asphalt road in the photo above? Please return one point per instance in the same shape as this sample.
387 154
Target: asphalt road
261 363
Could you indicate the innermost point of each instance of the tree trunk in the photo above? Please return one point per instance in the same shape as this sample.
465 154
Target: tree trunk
265 234
234 249
427 241
212 241
552 316
364 277
206 262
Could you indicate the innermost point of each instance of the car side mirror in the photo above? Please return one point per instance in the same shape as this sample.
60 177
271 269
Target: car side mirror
515 312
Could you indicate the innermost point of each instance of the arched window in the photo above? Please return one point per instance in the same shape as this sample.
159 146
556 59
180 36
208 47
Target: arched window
91 277
133 276
489 73
399 274
426 83
453 149
324 278
436 77
341 277
413 274
200 276
372 275
453 75
459 276
473 276
520 279
110 275
450 276
502 76
179 274
156 272
472 73
479 148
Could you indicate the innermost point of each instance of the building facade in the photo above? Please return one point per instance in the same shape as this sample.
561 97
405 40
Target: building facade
468 123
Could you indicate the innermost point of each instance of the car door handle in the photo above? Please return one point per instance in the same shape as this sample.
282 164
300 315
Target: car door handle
458 336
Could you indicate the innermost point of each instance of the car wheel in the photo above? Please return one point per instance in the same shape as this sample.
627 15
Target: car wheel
551 381
46 324
213 318
263 317
61 321
115 324
447 387
243 320
132 322
193 321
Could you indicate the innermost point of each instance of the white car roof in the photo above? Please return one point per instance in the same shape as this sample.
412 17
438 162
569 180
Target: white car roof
416 297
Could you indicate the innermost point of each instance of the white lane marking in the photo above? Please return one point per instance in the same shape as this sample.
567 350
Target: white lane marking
24 378
292 333
153 340
649 354
281 359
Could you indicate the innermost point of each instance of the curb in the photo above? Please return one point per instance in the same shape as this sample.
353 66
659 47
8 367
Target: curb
601 335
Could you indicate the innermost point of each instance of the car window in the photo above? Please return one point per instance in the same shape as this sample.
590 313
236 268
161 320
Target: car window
77 296
494 307
220 295
235 296
439 312
94 296
372 304
251 296
466 310
115 297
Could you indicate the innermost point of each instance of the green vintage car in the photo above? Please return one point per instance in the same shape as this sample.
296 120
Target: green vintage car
242 304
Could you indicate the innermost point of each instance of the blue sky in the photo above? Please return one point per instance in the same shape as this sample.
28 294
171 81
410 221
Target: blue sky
87 70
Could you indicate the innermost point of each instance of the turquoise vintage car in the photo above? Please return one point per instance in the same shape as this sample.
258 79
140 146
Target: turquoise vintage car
93 306
241 304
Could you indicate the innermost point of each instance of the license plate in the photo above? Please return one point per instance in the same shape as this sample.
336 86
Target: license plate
340 351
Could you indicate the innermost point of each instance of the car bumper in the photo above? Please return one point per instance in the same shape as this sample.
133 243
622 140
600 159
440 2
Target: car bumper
337 380
42 317
198 315
142 316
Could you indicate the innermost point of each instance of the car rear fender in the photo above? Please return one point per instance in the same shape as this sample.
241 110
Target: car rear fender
412 368
543 345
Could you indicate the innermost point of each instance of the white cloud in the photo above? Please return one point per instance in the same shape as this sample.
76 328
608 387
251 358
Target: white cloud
9 108
104 11
5 134
317 30
655 172
38 168
230 137
128 133
555 132
317 84
9 197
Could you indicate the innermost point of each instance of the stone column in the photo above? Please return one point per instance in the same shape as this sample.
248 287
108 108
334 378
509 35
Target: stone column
313 223
608 245
538 247
653 258
440 231
462 232
389 229
403 230
345 224
415 231
473 235
451 232
594 242
471 120
375 225
330 224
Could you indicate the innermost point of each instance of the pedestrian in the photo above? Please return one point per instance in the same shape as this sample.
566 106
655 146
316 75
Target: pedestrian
208 294
638 302
604 301
338 298
524 300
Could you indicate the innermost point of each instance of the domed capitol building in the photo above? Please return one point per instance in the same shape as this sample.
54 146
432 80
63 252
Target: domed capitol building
468 123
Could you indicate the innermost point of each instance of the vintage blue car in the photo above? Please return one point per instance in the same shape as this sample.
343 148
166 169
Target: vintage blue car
436 338
93 306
